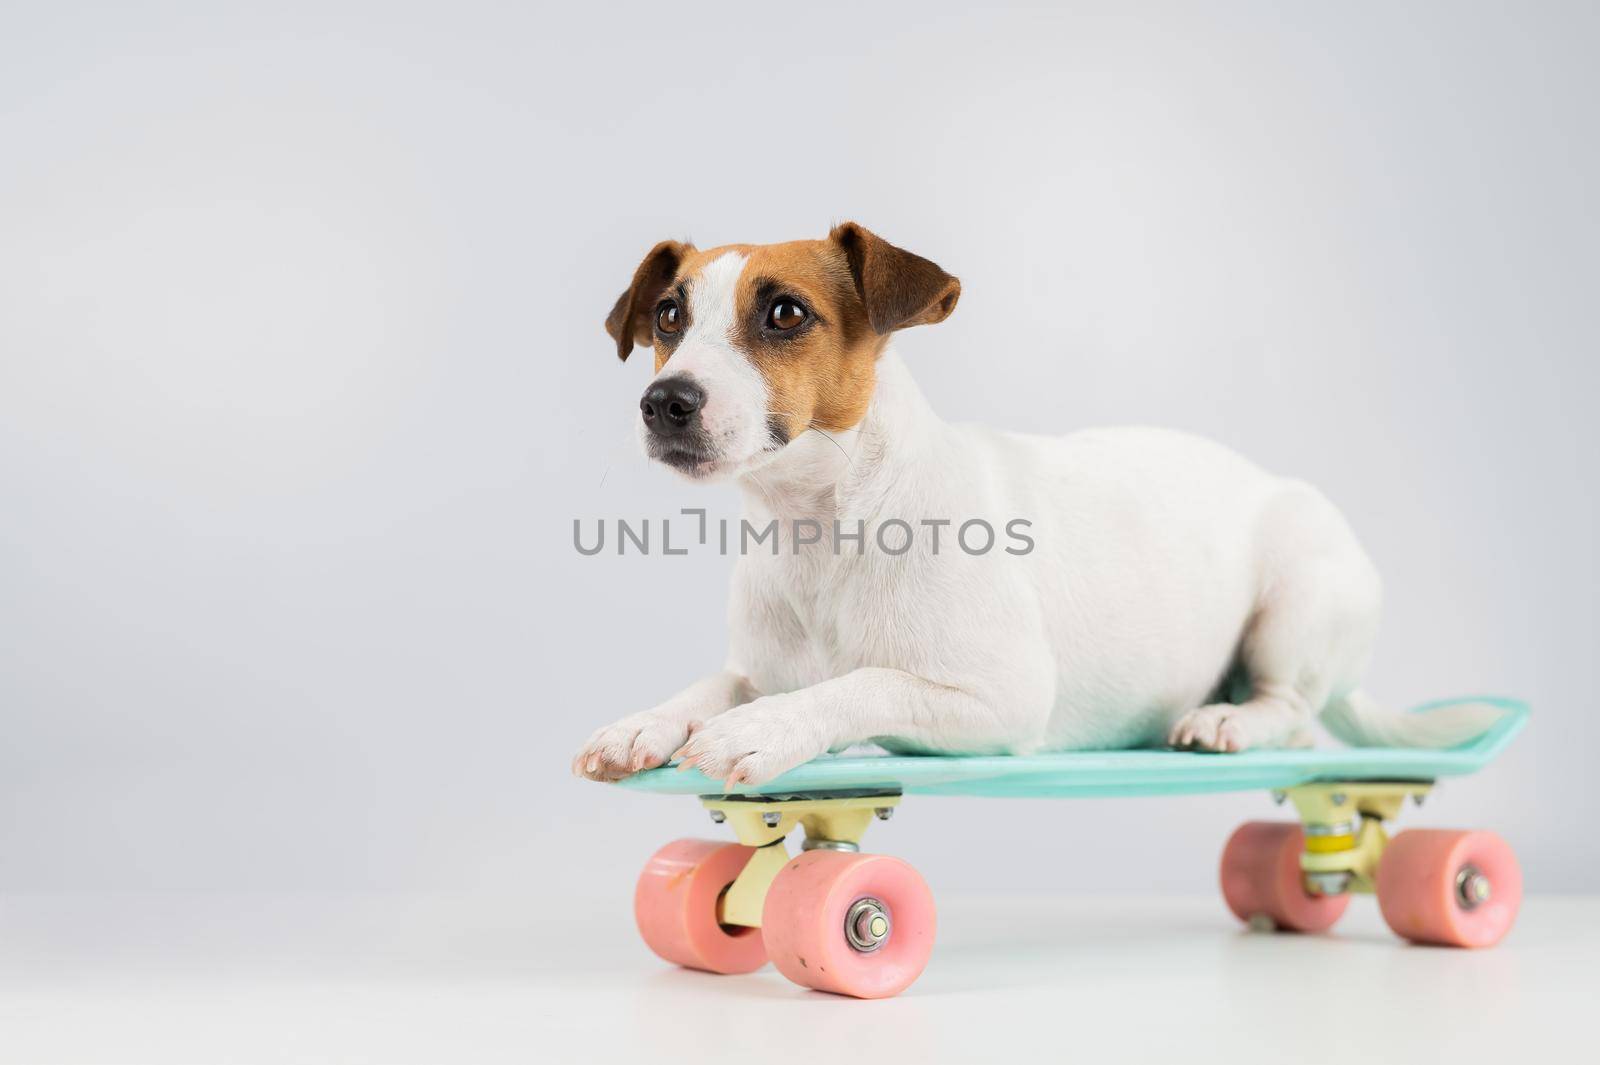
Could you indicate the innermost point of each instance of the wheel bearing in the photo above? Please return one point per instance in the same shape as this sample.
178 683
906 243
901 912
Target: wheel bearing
866 925
1472 887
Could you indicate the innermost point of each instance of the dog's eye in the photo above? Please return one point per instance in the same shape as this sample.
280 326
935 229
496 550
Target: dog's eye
785 314
667 320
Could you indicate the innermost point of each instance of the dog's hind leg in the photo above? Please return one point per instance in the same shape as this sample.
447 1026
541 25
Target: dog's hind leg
1274 717
1307 641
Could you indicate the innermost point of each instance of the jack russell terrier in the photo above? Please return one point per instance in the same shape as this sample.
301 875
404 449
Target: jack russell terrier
1175 592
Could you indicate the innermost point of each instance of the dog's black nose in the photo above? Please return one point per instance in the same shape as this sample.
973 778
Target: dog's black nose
672 406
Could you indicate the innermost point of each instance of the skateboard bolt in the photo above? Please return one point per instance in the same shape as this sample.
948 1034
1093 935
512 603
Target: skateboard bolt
883 813
1279 796
1338 798
771 819
717 817
866 925
1472 887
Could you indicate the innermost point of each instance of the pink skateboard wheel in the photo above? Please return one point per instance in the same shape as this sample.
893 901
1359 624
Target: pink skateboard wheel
675 905
853 924
1451 888
1261 879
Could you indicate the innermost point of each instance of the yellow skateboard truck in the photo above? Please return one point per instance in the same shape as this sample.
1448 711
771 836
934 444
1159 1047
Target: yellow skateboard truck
1344 831
833 824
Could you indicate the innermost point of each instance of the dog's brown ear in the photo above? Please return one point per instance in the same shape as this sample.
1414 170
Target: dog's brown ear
898 288
629 321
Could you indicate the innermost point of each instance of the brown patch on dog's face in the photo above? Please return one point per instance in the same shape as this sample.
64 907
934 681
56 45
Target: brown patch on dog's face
803 325
812 316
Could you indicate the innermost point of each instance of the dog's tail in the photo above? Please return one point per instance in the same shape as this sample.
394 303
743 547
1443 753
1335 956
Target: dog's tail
1359 721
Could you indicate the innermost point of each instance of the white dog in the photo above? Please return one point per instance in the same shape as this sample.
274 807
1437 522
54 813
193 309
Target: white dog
1173 592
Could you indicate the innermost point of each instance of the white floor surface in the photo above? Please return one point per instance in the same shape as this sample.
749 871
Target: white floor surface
222 979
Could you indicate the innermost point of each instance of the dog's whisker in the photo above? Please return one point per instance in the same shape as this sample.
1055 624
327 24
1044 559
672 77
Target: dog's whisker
848 458
812 427
611 455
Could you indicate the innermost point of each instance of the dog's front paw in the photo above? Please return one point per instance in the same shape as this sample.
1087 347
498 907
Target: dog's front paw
641 741
1209 728
754 743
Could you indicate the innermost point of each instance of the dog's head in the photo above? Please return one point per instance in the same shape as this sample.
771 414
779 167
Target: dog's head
755 344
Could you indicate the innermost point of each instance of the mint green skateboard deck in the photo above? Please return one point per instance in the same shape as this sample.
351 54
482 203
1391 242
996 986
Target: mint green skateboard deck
1098 774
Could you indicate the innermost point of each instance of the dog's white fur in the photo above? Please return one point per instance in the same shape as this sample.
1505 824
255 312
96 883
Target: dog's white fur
1176 593
735 414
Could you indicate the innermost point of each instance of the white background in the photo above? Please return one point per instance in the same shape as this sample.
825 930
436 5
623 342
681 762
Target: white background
303 382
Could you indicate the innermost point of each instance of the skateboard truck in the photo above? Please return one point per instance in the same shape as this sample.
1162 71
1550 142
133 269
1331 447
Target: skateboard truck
1344 833
830 823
